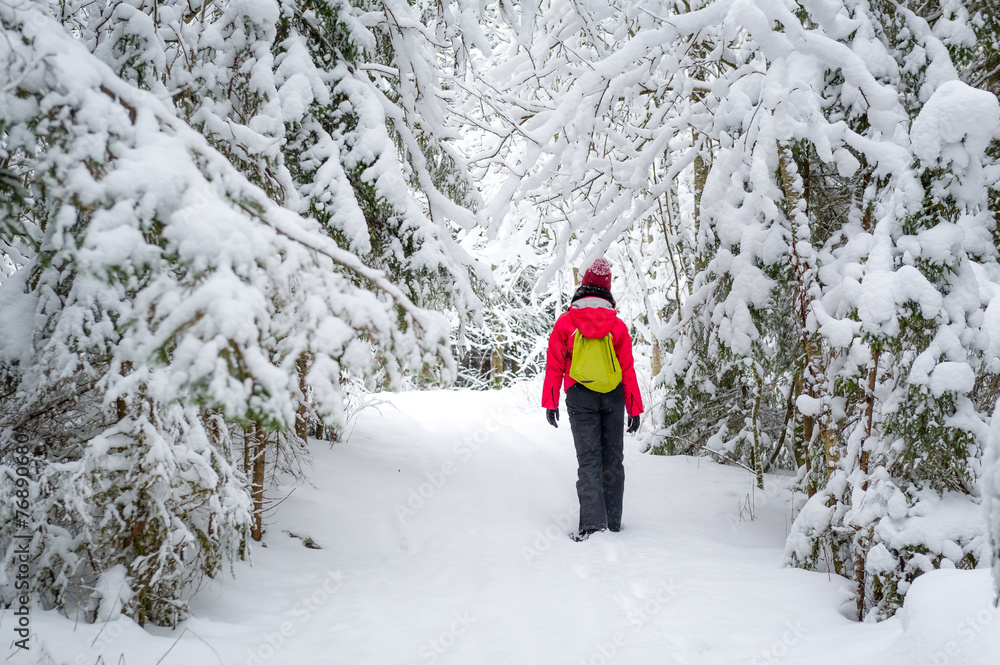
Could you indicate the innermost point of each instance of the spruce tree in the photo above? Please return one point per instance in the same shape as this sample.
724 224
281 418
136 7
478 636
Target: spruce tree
172 296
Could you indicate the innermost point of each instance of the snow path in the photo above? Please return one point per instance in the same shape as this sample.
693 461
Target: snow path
443 525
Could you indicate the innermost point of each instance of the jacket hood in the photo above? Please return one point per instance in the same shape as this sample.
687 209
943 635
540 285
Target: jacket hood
593 322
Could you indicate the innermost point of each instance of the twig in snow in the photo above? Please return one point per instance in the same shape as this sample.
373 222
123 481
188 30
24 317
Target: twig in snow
179 639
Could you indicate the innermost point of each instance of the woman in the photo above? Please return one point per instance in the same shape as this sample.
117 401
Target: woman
600 385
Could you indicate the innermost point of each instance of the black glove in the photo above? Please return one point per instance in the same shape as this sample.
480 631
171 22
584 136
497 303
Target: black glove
552 415
633 424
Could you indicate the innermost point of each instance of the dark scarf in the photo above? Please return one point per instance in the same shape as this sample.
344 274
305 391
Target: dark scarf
589 291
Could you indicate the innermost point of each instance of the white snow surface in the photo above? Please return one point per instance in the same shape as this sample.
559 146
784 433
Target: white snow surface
443 523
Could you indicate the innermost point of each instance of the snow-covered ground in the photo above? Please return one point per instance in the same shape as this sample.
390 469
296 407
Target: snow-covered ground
442 525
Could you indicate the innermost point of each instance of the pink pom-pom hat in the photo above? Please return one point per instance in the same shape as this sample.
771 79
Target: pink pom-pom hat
598 274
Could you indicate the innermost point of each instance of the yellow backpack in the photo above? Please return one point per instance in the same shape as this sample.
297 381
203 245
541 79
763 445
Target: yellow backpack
595 364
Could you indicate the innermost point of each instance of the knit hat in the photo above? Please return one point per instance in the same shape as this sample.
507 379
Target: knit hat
598 274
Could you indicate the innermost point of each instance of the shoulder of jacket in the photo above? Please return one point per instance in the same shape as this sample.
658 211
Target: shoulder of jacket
619 329
564 321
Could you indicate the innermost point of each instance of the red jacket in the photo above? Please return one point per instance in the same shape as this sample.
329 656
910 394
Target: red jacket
593 322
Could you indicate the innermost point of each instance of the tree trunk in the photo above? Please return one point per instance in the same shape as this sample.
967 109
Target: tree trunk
700 178
758 454
863 536
496 368
814 360
302 410
258 452
869 416
793 390
121 408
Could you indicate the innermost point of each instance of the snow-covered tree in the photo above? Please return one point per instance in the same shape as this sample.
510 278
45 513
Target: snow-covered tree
917 269
827 248
221 212
168 289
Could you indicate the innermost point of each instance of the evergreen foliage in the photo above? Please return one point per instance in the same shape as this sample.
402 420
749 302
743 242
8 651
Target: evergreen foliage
172 295
826 186
220 221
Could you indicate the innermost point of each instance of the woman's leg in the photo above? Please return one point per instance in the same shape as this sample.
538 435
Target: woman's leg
584 409
612 454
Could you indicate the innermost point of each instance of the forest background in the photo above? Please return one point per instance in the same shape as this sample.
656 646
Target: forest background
224 223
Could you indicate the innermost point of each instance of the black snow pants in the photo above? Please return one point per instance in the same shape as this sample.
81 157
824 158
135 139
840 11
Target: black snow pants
598 424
